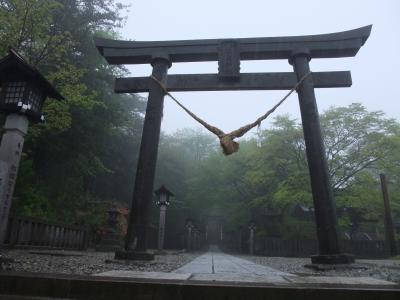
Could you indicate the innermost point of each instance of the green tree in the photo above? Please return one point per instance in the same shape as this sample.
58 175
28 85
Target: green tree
83 150
355 139
272 174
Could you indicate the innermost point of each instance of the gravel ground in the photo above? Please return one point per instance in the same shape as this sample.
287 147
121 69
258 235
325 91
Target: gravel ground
91 262
385 269
88 263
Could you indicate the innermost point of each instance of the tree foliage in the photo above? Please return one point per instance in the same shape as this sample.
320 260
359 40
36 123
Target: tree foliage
85 151
270 175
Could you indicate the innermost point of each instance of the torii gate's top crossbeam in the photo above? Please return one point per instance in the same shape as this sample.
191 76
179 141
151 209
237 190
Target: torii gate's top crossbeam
340 44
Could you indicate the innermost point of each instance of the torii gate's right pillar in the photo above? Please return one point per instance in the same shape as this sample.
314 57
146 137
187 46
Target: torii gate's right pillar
324 202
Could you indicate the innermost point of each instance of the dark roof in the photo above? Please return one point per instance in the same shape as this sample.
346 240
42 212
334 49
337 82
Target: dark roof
15 61
163 189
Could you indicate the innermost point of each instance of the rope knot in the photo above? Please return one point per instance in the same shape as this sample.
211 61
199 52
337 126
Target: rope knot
228 145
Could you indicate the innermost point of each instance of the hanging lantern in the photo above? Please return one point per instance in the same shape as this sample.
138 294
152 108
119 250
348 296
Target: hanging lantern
23 89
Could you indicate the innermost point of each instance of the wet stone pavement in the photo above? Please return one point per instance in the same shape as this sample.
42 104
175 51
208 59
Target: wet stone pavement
217 266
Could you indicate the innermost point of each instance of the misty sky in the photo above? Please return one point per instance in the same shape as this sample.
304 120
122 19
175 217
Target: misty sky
375 69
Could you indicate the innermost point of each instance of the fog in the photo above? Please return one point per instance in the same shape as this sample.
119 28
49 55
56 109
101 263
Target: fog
374 69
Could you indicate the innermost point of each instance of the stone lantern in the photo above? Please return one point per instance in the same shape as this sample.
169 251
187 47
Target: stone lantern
252 227
189 226
23 91
112 216
111 240
163 202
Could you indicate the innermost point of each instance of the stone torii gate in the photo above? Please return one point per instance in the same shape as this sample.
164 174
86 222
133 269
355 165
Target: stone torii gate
298 50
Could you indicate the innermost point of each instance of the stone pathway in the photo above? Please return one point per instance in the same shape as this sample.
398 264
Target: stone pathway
217 266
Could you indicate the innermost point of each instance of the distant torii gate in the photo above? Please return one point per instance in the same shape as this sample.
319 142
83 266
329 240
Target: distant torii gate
229 52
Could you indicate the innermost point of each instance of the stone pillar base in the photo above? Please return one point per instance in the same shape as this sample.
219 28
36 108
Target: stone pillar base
133 255
331 259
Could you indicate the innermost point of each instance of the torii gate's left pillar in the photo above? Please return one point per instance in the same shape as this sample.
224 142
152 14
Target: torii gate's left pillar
136 238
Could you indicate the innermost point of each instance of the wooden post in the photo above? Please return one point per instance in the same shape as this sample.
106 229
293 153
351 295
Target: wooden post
389 228
15 231
28 237
35 235
189 238
49 235
136 239
161 227
324 202
68 238
86 237
252 228
251 241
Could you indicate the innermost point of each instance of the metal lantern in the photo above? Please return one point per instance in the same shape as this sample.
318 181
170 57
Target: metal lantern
252 225
163 195
23 89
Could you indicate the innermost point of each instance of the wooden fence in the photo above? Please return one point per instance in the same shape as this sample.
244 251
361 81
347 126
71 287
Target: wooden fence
286 248
305 248
23 232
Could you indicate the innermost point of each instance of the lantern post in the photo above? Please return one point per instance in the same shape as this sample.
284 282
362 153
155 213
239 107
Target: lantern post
252 228
196 238
111 240
163 202
23 91
390 231
189 226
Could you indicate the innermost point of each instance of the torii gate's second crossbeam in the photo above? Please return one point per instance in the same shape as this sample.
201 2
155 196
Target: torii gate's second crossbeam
247 81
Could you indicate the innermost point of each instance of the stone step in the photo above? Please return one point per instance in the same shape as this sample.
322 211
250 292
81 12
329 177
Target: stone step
61 286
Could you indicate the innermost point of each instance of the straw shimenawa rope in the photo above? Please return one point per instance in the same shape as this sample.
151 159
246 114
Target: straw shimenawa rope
226 140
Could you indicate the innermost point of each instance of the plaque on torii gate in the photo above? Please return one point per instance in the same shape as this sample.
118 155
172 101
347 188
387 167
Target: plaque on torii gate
298 50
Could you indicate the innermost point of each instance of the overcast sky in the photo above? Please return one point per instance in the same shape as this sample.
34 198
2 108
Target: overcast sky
375 69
